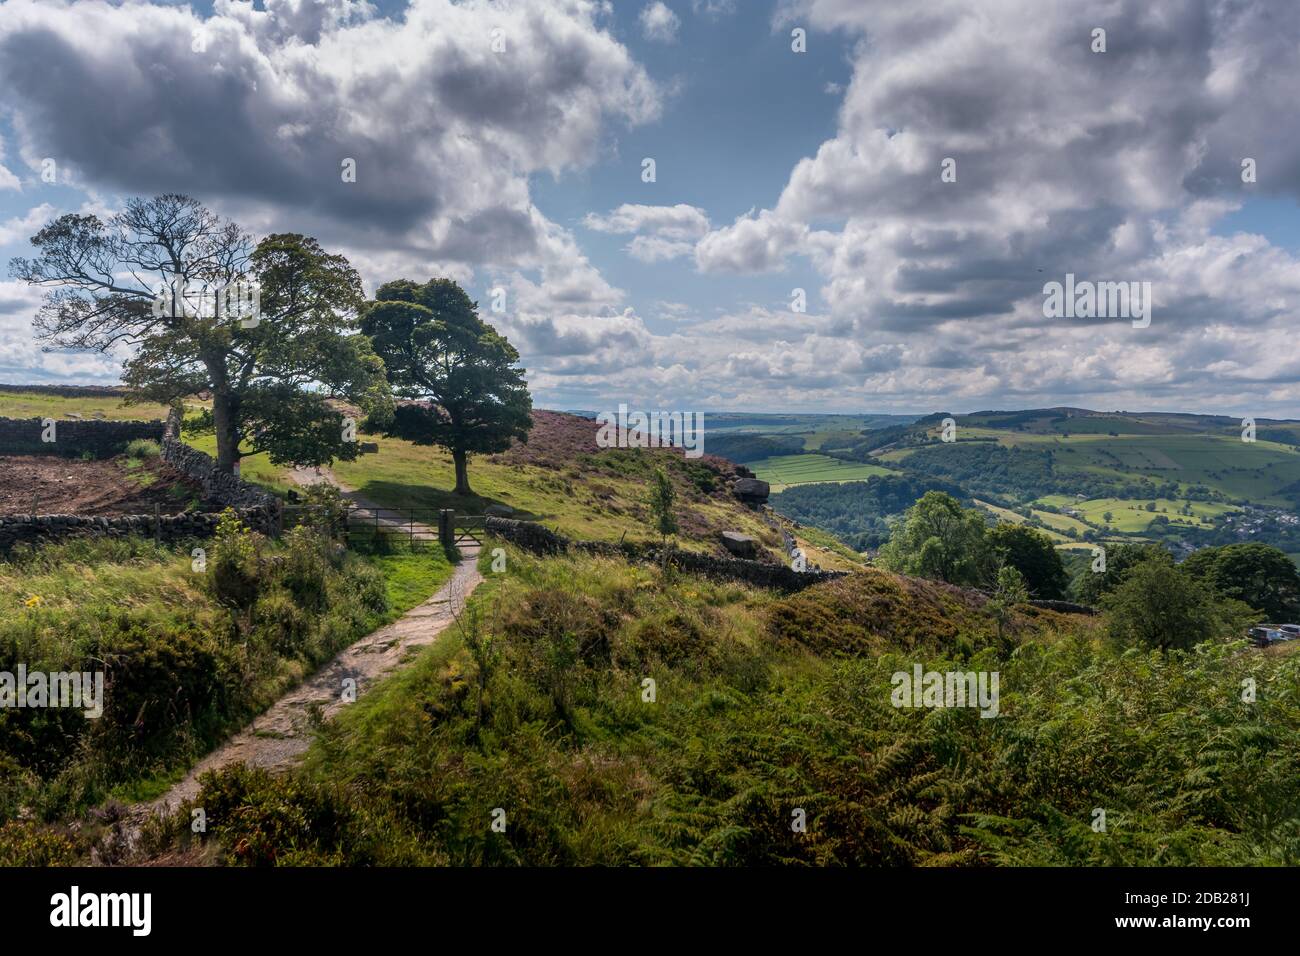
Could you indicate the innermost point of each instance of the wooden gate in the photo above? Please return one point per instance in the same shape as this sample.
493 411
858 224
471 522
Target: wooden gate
458 529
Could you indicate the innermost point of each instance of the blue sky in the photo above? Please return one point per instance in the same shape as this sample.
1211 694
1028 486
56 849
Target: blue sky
520 168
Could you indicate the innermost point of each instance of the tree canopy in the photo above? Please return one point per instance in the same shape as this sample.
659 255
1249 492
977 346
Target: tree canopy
939 539
469 395
1158 605
1259 575
1032 553
267 330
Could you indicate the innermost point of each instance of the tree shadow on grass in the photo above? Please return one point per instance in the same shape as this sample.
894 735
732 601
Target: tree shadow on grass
405 496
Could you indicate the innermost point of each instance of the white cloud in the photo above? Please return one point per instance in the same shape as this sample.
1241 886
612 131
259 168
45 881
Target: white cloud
445 130
1113 167
658 22
7 179
661 232
19 229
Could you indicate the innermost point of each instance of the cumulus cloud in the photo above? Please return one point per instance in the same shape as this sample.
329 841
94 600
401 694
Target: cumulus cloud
753 243
445 111
21 358
7 179
1113 166
658 22
660 232
20 228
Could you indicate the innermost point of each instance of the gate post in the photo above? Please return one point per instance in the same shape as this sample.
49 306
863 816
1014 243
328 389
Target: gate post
446 525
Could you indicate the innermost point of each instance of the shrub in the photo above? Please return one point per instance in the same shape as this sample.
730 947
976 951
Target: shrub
280 624
23 843
234 563
325 510
143 448
306 567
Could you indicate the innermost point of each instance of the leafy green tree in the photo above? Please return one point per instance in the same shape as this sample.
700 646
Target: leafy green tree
469 395
1159 606
937 538
1257 574
1031 553
150 278
663 500
1089 586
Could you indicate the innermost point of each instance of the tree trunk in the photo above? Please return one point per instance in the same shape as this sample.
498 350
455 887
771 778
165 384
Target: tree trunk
462 471
225 417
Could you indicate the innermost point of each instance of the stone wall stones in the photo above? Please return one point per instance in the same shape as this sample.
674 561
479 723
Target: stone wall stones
41 529
73 437
258 509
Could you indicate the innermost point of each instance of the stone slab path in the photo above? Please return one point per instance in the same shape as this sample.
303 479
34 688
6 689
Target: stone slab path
279 736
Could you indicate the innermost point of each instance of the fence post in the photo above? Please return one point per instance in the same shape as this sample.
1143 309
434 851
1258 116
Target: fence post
446 523
157 523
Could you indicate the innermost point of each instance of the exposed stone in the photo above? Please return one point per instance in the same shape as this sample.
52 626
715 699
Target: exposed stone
751 490
499 511
741 545
369 448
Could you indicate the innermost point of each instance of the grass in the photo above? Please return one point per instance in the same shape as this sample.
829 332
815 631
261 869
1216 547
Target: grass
600 498
1011 517
1129 515
411 576
185 669
763 704
1059 522
35 405
786 470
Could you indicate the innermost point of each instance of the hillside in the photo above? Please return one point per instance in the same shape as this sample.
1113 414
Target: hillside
620 713
696 722
1081 476
560 477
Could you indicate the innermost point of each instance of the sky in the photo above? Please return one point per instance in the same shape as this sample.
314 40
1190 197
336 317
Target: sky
914 172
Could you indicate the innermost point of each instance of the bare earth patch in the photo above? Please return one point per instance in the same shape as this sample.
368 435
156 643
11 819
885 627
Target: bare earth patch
47 484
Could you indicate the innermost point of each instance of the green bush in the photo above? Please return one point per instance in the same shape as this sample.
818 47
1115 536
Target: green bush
234 568
188 655
143 448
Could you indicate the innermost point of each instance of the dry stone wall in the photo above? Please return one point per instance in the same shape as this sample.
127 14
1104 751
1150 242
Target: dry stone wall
257 508
537 539
72 437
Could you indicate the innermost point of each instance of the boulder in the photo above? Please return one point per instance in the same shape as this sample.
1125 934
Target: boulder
499 511
369 448
741 545
751 489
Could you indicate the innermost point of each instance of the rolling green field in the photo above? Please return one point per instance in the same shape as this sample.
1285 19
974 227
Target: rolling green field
786 470
1247 472
1130 515
1060 522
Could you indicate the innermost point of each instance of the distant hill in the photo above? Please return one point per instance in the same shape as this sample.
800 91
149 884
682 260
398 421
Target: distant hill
1186 480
